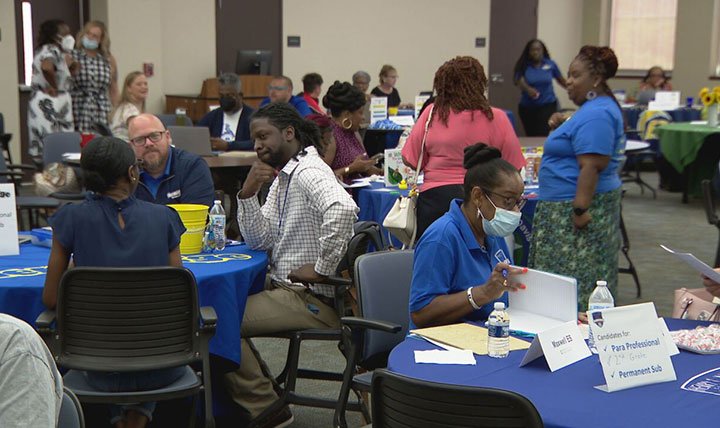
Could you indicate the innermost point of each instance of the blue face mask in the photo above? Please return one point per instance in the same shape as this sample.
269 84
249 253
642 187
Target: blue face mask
89 43
503 224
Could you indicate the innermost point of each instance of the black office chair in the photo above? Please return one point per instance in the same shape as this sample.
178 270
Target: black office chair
382 280
128 320
711 213
5 140
366 234
71 413
399 401
31 207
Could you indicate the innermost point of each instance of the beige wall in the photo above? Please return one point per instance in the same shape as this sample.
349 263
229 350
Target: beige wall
563 41
9 97
339 37
177 36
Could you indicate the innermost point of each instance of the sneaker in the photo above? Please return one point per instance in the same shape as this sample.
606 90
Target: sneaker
280 419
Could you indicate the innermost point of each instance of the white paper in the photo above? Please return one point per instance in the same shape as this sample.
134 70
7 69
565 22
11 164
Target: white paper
669 342
562 345
547 301
437 356
71 156
354 185
404 120
670 99
698 122
695 263
9 245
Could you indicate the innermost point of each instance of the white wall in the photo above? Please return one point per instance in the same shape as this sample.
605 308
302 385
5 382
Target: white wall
563 41
9 96
340 37
177 36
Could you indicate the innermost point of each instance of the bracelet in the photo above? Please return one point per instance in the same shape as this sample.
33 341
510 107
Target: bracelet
347 170
471 300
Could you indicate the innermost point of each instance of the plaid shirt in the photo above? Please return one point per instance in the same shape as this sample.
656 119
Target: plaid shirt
307 218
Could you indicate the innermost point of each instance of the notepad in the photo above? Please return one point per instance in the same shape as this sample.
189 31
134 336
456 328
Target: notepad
465 336
548 301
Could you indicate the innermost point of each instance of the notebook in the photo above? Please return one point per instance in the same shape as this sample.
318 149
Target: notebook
194 139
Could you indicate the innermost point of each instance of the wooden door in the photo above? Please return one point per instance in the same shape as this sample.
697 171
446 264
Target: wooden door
512 24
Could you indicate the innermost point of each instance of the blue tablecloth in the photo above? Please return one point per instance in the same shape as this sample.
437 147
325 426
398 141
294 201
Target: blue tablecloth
685 114
224 280
567 398
375 202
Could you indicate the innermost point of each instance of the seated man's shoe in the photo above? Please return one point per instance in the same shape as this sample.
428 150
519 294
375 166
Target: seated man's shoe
279 419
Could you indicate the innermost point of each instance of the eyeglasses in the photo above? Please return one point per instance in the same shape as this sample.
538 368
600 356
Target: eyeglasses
155 137
508 202
277 88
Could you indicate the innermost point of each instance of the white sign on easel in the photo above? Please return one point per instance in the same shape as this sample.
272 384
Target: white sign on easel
631 347
561 346
419 102
378 109
8 221
665 100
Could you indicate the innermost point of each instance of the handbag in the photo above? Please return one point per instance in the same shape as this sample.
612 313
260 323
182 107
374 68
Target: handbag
56 177
695 304
401 220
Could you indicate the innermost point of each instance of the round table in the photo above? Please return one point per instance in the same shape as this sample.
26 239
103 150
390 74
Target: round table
224 280
566 398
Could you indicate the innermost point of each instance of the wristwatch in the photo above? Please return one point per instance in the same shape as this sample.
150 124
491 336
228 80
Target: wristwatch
579 211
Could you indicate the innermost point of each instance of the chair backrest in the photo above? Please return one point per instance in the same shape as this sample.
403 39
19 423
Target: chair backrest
71 413
400 401
709 203
383 285
57 143
649 120
126 319
175 120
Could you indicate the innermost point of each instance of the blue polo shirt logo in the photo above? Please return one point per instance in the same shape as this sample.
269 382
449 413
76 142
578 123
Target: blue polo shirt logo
501 257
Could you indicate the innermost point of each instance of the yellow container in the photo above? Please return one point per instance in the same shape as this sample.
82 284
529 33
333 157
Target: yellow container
193 217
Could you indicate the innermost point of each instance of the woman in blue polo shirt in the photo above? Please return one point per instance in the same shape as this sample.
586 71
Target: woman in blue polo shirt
576 223
461 262
534 74
112 228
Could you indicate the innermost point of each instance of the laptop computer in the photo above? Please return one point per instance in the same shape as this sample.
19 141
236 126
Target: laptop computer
645 96
194 139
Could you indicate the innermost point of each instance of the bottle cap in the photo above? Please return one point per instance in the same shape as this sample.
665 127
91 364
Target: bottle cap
601 283
499 306
217 201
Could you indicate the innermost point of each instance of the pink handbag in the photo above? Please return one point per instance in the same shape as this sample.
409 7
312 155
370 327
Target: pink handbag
695 304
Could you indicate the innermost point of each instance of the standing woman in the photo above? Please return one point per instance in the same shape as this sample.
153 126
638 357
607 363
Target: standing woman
576 223
50 106
95 90
132 103
534 74
386 88
461 117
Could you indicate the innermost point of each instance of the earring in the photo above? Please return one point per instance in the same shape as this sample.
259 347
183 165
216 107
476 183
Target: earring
590 95
348 125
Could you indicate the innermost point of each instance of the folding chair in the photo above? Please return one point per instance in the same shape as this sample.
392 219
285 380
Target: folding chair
71 413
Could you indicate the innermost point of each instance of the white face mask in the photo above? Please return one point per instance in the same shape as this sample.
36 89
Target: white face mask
68 43
503 224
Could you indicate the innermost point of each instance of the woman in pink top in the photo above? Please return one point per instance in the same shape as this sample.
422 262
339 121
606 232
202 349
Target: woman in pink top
462 116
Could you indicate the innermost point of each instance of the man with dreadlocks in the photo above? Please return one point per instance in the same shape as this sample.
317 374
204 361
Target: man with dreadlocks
461 117
306 223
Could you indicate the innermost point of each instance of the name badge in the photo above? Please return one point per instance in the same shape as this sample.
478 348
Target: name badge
546 67
561 346
174 195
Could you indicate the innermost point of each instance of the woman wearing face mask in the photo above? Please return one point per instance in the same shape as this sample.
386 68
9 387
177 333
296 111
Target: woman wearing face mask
95 89
470 241
132 103
230 123
50 106
133 233
576 223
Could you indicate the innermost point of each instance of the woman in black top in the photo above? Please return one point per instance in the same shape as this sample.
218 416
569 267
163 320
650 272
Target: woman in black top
386 88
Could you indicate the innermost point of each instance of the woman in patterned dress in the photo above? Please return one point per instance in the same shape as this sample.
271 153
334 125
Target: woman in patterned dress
50 106
95 90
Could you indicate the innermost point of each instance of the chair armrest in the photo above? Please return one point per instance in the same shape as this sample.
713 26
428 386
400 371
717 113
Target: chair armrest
208 317
21 166
357 322
336 281
11 174
68 196
45 320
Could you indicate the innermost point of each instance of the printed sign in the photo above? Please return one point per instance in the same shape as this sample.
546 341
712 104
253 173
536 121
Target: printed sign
561 346
8 221
378 109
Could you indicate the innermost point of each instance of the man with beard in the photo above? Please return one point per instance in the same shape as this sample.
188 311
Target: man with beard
169 175
230 124
306 224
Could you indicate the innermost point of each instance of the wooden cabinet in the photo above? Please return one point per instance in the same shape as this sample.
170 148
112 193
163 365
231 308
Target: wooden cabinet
254 87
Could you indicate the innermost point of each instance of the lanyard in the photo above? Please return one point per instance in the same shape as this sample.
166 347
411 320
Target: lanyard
281 209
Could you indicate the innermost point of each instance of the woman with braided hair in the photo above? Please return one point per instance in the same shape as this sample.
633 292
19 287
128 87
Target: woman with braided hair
575 228
345 104
461 117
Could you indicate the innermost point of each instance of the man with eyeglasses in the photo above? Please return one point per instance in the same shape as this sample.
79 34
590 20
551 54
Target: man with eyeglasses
169 175
280 90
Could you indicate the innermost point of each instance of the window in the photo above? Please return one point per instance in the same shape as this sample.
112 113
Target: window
27 37
642 33
715 58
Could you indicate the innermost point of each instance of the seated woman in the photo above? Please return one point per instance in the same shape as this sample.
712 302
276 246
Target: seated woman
469 239
326 132
111 228
655 80
345 103
132 103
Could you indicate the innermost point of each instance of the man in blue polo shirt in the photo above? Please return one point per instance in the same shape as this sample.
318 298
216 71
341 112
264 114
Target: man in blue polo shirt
280 90
169 175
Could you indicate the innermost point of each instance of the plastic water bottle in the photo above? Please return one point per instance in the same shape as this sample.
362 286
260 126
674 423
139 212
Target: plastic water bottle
499 332
217 220
601 298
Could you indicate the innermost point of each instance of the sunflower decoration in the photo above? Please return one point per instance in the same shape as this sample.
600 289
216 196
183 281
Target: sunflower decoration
710 97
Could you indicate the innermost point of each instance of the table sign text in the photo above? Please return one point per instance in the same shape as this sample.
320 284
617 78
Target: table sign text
378 109
631 347
419 102
561 346
8 221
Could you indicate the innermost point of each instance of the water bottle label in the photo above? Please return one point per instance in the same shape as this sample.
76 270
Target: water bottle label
498 330
599 306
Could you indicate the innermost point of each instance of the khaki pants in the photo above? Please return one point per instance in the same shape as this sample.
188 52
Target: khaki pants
277 309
